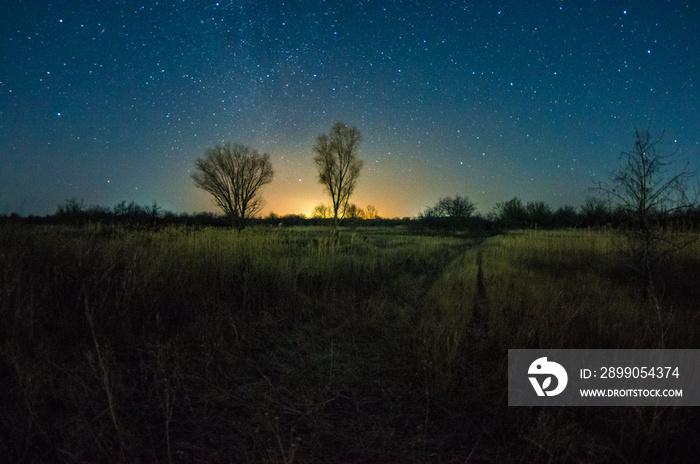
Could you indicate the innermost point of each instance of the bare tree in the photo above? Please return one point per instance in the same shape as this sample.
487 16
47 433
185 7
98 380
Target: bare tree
539 214
647 195
354 212
595 212
234 174
321 211
453 212
511 213
338 166
371 212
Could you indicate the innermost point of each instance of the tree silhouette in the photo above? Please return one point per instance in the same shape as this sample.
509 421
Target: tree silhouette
595 212
539 214
354 212
234 174
371 212
565 217
646 195
321 211
454 212
511 213
338 166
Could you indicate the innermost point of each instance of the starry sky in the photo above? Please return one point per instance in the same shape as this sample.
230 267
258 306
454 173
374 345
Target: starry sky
110 101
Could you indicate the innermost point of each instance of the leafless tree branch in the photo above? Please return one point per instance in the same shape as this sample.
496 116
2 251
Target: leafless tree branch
234 175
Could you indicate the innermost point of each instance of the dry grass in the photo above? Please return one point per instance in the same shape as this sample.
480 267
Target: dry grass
563 289
273 345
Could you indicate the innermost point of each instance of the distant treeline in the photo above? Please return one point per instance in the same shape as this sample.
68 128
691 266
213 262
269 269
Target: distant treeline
75 212
456 213
450 214
594 213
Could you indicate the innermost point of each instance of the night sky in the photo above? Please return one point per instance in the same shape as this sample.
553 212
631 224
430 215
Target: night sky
114 101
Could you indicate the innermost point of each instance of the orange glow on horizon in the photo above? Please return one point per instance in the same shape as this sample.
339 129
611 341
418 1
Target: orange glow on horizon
395 188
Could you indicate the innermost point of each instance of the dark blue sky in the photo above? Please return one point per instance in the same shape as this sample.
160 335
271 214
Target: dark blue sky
114 101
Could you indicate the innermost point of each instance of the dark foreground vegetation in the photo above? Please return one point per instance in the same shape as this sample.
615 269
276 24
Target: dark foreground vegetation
184 344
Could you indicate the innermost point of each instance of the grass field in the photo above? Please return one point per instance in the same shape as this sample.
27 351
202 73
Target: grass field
275 345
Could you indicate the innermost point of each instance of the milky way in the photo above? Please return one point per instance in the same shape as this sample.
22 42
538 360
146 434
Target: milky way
114 101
